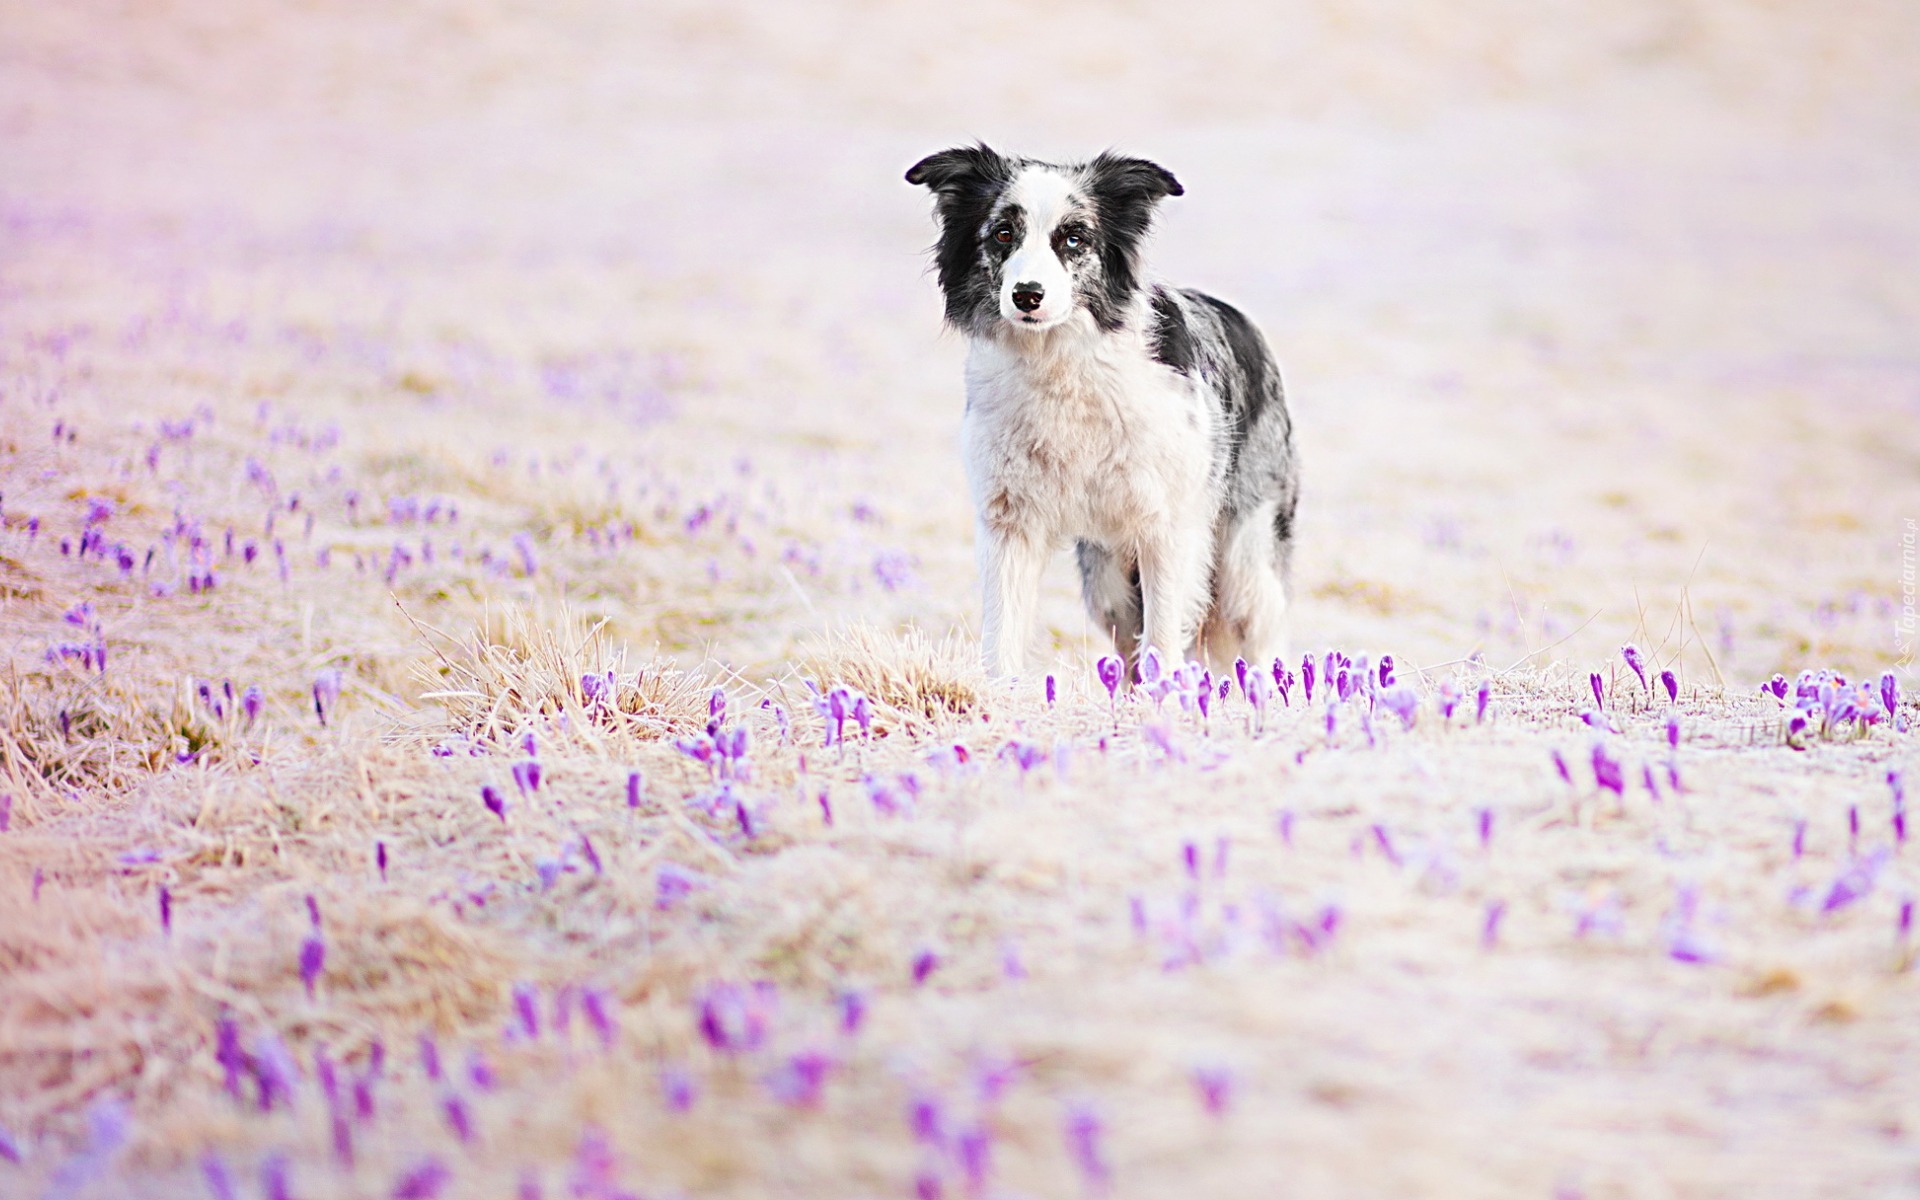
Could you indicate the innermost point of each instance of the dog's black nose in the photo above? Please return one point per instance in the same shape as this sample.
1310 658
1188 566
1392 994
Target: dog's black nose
1027 296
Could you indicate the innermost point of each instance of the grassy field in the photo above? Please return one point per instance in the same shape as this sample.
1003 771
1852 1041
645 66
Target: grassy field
491 707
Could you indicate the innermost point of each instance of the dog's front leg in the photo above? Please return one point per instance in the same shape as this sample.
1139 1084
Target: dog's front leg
1010 566
1173 587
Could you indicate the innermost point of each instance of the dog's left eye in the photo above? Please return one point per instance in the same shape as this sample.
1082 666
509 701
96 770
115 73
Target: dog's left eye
1073 241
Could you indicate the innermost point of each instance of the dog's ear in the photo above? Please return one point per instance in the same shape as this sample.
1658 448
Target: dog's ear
962 168
1115 177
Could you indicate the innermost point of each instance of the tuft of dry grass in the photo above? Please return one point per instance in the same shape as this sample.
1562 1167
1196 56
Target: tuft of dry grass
518 672
924 685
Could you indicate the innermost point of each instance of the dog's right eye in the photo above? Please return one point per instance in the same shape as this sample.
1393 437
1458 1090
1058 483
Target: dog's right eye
1003 234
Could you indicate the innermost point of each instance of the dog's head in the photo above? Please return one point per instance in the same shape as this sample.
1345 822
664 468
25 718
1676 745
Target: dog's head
1033 244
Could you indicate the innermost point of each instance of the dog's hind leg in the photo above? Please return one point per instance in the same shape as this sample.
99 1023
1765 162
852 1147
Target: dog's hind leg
1248 618
1111 586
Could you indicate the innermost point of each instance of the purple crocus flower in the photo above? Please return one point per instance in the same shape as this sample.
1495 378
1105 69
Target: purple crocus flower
313 960
633 789
925 963
1083 1129
1256 694
429 1057
1599 690
526 1003
1889 692
1215 1085
1854 883
1109 669
459 1118
327 1075
213 1169
526 775
1560 765
1402 702
1382 840
1906 918
1012 968
1799 839
1306 678
1631 653
166 910
495 802
313 911
1673 731
6 811
273 1178
1051 691
673 883
326 693
380 859
250 703
342 1139
853 1010
734 1019
1672 685
229 1054
598 1007
838 708
926 1118
274 1073
1486 828
1151 670
1606 771
974 1148
1490 924
801 1080
1480 702
422 1182
678 1089
863 714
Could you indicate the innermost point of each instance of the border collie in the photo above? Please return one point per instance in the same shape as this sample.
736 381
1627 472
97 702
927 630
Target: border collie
1143 423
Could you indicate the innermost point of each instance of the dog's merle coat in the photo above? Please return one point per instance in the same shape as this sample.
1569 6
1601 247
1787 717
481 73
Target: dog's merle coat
1144 424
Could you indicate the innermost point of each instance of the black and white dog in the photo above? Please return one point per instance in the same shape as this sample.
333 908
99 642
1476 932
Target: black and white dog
1143 423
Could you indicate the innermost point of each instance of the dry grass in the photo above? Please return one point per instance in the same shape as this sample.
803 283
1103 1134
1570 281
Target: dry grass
518 672
919 685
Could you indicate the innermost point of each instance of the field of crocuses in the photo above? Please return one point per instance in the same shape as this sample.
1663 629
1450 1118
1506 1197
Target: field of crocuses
491 707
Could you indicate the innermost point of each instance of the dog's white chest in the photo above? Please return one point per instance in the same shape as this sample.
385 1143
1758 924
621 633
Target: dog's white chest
1081 444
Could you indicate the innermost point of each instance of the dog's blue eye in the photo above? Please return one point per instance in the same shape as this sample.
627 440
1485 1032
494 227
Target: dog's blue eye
1072 241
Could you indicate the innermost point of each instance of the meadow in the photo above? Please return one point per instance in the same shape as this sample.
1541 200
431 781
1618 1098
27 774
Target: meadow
491 704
